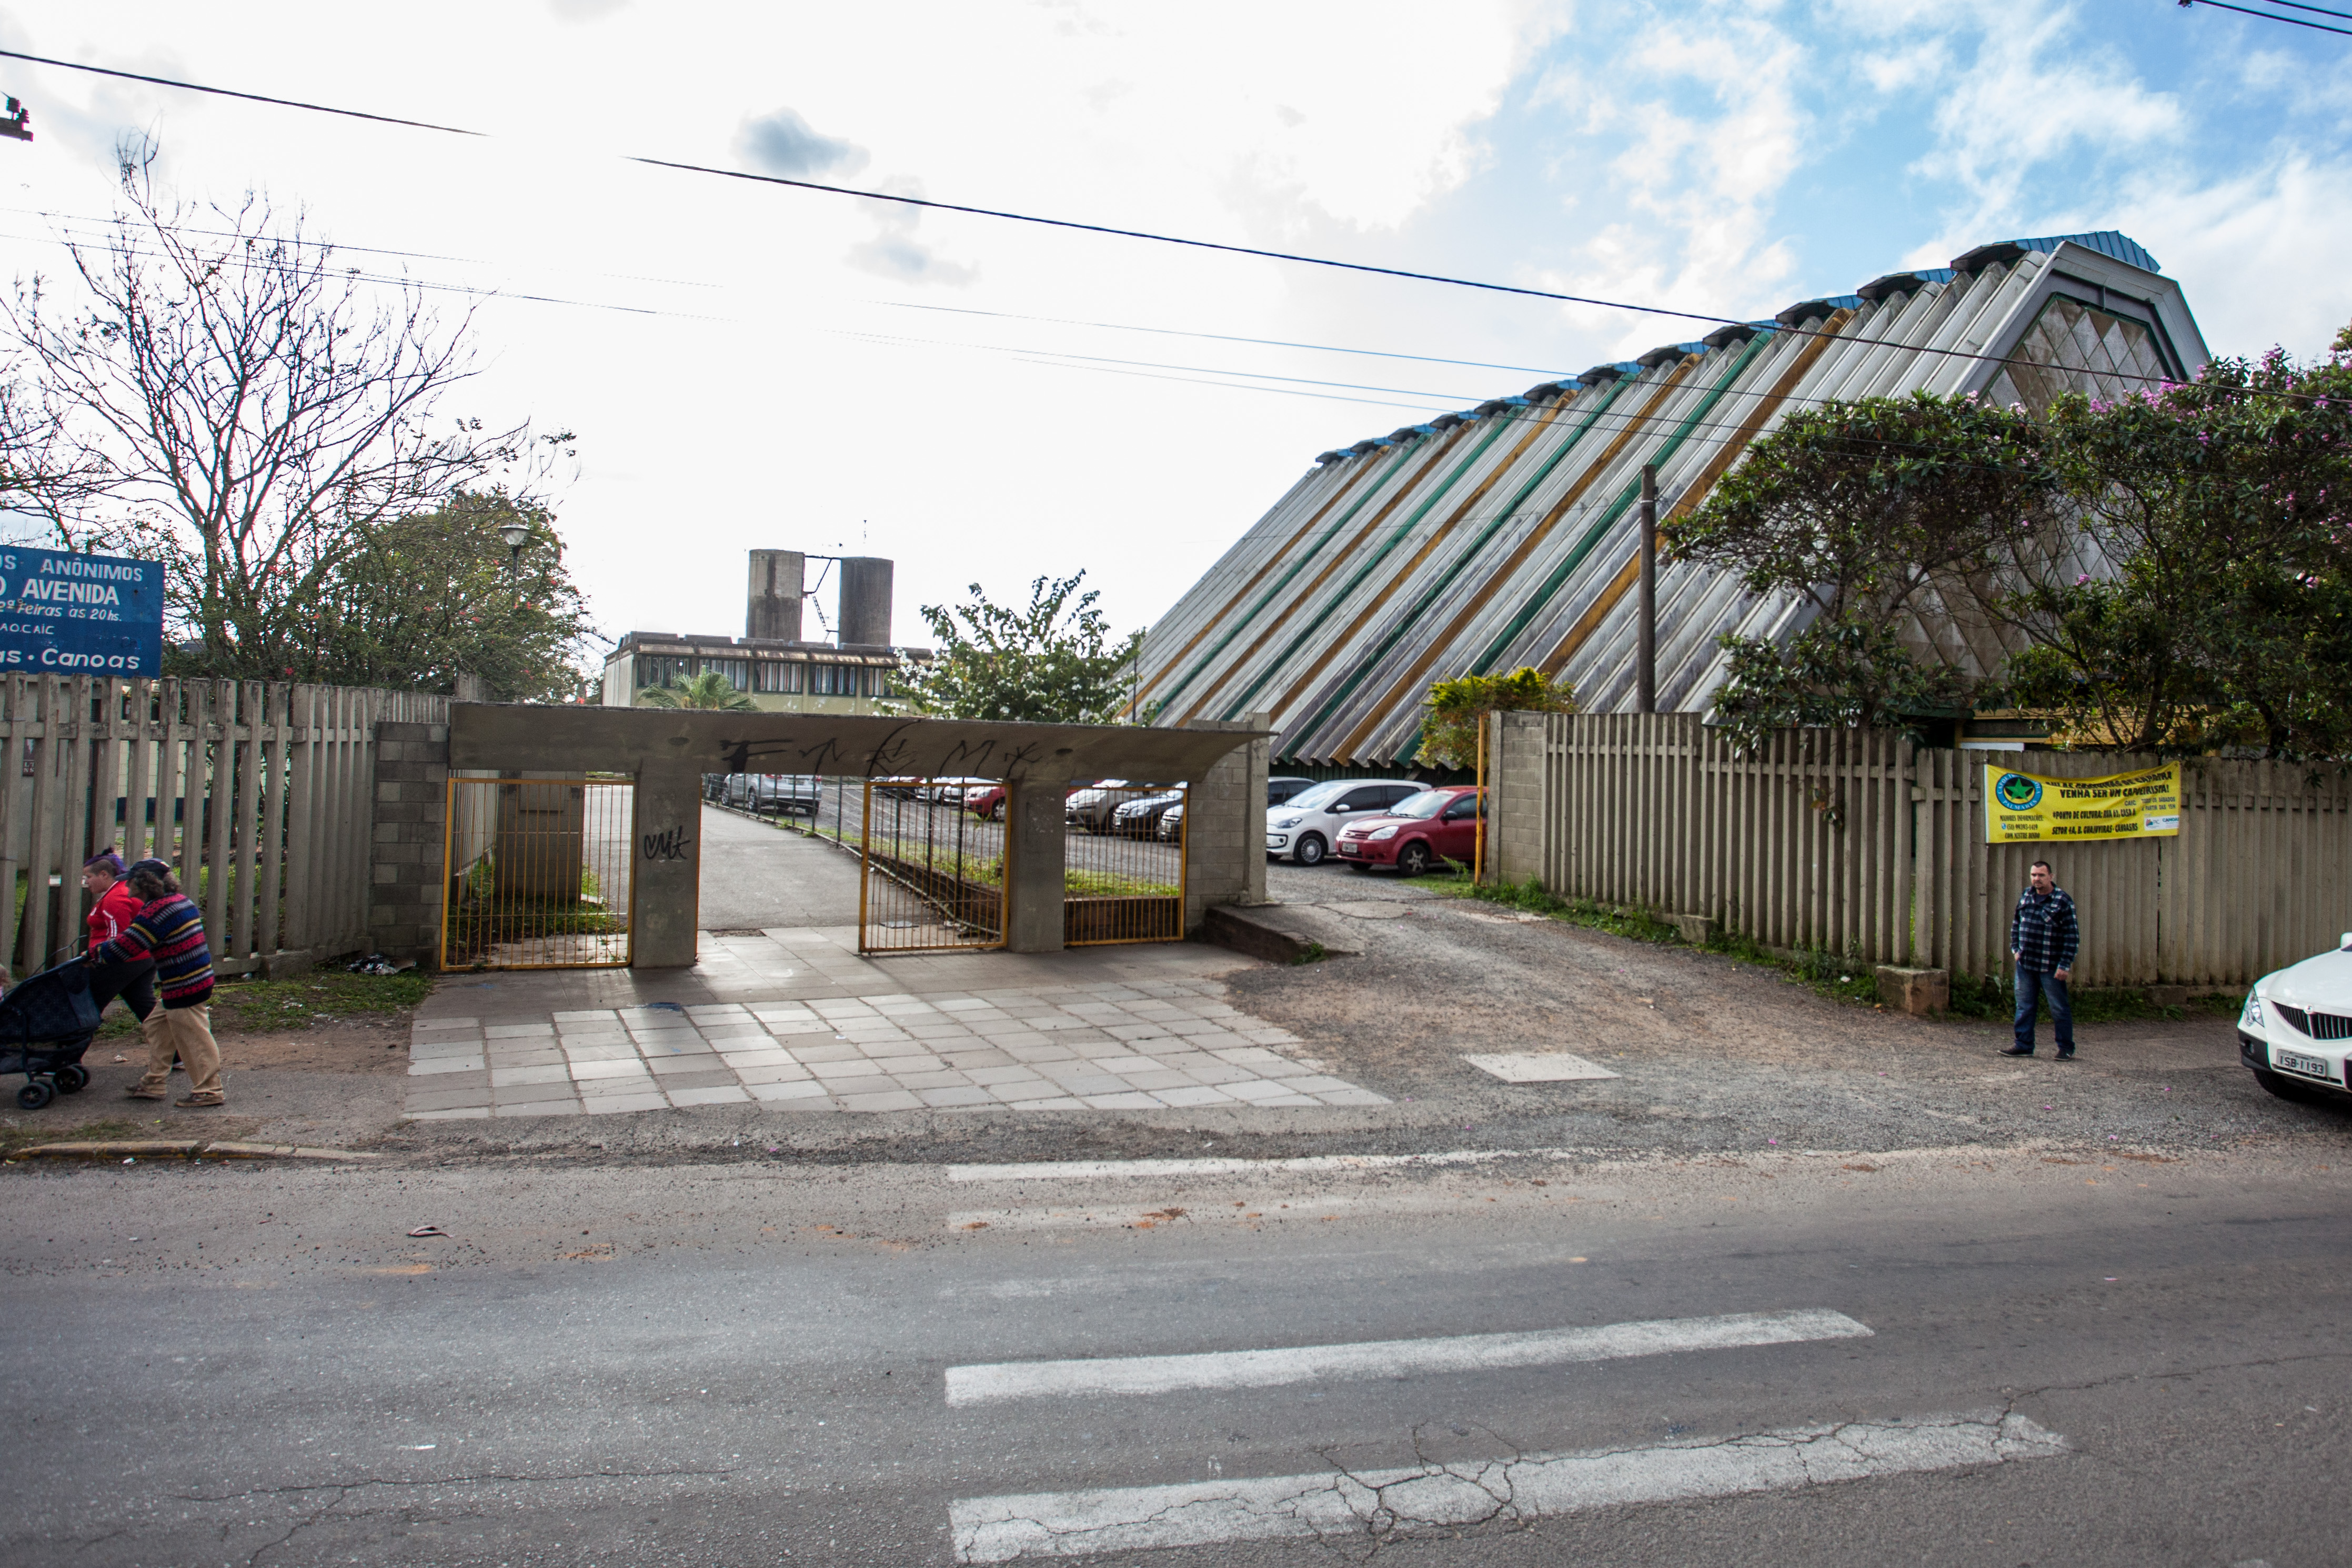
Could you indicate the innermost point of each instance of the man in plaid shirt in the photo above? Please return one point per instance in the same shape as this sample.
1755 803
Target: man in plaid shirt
2042 937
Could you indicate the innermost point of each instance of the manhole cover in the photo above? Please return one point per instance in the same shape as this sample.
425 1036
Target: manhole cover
1538 1067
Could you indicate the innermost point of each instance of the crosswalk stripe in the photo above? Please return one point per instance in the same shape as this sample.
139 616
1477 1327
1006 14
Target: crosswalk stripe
1369 1508
979 1385
1096 1170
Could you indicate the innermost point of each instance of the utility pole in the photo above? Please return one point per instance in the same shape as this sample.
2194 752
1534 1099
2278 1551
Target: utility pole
1646 651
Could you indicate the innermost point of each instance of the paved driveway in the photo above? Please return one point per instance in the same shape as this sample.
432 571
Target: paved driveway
755 877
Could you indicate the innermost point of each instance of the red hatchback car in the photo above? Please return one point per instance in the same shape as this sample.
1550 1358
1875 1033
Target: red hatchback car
1417 833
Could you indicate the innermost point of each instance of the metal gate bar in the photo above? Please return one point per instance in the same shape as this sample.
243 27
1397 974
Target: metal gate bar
931 872
1123 876
537 874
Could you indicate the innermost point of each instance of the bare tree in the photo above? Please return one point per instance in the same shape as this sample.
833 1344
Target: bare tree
250 408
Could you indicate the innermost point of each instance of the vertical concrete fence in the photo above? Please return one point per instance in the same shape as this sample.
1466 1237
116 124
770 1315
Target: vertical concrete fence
263 796
1858 844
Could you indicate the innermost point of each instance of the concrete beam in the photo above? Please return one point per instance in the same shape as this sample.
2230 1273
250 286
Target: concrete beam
569 740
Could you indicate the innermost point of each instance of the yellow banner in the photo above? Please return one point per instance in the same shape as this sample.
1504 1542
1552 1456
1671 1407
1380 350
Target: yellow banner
2025 808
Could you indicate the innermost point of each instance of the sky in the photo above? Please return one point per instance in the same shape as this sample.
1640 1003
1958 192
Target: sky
749 365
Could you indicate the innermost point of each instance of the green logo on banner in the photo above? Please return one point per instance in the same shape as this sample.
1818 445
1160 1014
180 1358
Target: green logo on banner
2017 791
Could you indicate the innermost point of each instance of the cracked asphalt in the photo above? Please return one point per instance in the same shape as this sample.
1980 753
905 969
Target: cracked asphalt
2125 1362
2104 1305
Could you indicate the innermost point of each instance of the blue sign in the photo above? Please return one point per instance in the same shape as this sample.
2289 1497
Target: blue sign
79 615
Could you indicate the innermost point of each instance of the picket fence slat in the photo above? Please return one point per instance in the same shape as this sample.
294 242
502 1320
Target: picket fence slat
1857 844
260 794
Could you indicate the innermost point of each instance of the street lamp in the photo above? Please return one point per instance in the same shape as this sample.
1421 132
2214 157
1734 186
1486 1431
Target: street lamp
517 534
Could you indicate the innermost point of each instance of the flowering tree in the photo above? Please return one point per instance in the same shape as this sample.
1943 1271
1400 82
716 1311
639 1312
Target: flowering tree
2220 614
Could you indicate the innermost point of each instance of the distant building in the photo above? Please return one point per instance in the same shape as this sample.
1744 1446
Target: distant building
782 673
1508 535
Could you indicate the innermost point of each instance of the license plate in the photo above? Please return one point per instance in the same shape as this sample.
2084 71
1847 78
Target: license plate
2296 1062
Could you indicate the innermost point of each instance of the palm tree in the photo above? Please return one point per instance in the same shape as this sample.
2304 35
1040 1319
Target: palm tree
710 690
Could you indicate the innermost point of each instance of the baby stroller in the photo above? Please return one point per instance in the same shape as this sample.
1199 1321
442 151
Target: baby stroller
46 1024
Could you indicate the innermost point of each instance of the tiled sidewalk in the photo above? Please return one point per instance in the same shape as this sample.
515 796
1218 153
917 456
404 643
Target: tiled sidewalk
1101 1046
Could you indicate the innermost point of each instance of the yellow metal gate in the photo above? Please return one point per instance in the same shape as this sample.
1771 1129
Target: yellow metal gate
537 874
932 865
1123 865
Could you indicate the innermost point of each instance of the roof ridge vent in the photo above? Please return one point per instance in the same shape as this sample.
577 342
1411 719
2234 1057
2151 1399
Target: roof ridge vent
1825 307
1999 253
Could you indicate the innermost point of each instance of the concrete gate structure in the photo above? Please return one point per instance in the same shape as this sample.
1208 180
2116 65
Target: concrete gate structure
667 751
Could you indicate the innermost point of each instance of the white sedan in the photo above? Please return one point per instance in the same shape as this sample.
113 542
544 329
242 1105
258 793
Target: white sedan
2297 1028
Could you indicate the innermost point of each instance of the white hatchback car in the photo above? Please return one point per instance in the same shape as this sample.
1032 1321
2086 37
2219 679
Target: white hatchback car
1304 827
2296 1030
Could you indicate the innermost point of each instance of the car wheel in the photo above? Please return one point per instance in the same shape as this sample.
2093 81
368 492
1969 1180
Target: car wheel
1412 860
1311 849
2284 1088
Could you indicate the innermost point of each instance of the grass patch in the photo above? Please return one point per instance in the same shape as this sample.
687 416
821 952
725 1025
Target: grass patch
1532 896
104 1131
1975 996
266 1007
1313 952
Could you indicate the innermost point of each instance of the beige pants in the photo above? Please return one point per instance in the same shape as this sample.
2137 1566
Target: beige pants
188 1032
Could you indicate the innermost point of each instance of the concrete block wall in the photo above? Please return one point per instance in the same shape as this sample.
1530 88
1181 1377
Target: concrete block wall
1516 823
411 774
1225 826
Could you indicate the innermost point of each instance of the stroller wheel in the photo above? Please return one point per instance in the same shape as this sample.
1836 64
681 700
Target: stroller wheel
73 1079
35 1095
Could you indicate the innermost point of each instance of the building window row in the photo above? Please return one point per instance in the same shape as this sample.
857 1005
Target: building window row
790 677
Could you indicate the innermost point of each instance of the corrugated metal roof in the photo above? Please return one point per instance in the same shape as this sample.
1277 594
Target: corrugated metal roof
1505 535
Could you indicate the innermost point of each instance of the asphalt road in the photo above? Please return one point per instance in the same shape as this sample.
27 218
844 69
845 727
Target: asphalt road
1988 1358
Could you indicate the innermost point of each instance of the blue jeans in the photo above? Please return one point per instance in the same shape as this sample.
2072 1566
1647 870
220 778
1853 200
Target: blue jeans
2030 989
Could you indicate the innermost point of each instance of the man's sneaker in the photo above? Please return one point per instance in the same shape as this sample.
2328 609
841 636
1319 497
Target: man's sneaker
2065 1056
136 1092
2017 1050
199 1101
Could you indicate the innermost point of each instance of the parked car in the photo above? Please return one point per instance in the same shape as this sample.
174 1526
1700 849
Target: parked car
1281 789
948 791
1303 828
1417 833
1090 807
985 802
714 786
1172 823
1139 818
2295 1030
776 794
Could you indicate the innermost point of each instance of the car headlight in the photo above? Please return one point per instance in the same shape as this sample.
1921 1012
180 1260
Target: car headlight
1387 832
2255 1010
1287 822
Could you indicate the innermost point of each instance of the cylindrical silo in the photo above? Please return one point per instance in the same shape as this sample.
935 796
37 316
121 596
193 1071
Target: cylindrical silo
864 601
773 609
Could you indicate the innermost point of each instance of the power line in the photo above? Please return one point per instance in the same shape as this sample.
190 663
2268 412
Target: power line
1071 223
1214 337
226 93
2274 17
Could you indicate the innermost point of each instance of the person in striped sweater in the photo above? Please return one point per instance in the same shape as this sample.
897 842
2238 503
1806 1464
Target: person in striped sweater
169 929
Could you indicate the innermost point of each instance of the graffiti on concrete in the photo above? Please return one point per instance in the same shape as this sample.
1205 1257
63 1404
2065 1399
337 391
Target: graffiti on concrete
670 844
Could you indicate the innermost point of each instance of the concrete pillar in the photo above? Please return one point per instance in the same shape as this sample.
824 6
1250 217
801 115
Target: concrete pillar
1035 843
669 865
1225 826
1517 827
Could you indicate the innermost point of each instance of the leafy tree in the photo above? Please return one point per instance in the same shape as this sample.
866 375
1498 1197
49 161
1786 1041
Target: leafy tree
1862 506
2221 512
1454 710
1865 509
430 593
1051 663
707 692
250 410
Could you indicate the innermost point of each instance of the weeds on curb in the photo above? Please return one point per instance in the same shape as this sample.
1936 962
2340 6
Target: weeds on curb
104 1131
1845 979
1311 953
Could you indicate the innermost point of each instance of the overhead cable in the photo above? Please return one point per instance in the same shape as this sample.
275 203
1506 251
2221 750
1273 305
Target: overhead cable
2274 17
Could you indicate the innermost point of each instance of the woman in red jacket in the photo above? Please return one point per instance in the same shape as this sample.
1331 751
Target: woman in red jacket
117 907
